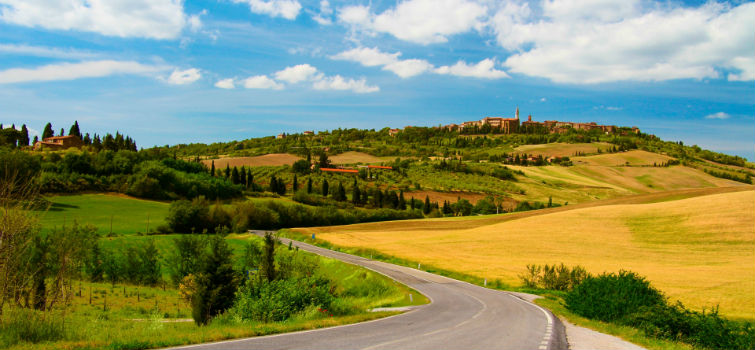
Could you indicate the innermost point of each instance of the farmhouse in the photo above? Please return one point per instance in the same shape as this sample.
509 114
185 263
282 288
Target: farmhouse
59 142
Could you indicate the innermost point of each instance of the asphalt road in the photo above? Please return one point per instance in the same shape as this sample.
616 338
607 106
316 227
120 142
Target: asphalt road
460 316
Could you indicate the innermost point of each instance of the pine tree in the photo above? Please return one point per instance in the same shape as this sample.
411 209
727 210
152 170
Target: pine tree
87 140
212 168
227 171
62 132
324 188
36 139
295 185
309 185
426 209
74 131
24 140
47 132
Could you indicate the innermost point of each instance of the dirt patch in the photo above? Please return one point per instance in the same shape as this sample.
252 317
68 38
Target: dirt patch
273 159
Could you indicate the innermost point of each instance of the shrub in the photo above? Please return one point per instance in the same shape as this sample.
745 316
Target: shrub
556 277
189 216
278 300
611 296
705 329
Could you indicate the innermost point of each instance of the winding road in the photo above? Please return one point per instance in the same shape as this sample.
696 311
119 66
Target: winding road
460 316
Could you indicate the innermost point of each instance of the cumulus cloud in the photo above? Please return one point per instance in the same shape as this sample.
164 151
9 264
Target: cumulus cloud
71 71
371 57
154 19
719 115
368 57
484 69
225 84
409 68
296 73
419 21
287 9
600 41
183 77
262 82
337 82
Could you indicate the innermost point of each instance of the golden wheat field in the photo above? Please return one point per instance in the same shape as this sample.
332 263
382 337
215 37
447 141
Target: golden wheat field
698 250
352 157
633 158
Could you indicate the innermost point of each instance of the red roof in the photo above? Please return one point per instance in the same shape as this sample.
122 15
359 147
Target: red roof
340 170
379 167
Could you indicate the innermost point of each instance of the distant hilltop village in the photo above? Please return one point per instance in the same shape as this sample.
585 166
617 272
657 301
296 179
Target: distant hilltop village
512 125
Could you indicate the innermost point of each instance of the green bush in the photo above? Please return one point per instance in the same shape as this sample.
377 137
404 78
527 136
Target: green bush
555 277
704 329
612 296
22 325
278 300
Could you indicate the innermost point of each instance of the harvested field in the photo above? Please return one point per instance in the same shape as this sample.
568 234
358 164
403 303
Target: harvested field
630 158
562 149
355 157
436 196
698 250
273 159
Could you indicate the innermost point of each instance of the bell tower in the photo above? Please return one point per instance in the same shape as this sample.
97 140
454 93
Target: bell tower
517 112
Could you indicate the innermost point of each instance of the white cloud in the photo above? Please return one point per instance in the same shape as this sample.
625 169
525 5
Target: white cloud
368 57
71 71
262 82
719 115
371 57
225 84
287 9
323 18
183 77
154 19
356 15
337 82
44 51
543 99
484 69
409 68
296 73
600 41
419 21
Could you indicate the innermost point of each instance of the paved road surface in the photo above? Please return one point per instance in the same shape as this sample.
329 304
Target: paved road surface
460 316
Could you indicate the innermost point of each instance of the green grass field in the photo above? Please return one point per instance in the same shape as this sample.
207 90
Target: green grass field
128 215
137 317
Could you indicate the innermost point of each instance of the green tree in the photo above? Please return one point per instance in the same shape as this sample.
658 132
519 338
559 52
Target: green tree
74 131
212 168
186 257
309 185
340 192
24 140
235 177
94 264
216 282
295 185
47 132
267 268
401 200
324 188
149 259
426 208
324 162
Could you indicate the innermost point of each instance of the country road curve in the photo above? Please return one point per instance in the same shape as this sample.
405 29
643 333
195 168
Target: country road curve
460 316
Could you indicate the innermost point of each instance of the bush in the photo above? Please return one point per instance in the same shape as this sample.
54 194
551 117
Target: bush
556 277
705 329
189 216
278 300
611 296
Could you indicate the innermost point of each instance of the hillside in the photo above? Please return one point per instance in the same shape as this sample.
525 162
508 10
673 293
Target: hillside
698 250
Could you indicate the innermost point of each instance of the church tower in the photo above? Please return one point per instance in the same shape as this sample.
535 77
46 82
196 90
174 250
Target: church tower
517 113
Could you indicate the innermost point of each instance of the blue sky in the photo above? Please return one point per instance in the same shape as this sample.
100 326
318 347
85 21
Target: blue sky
167 71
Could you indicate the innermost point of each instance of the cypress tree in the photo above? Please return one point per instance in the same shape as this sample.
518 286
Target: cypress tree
268 258
227 171
215 283
341 192
324 188
24 140
426 209
250 179
47 132
36 139
411 202
62 132
74 131
235 179
212 168
273 184
87 140
401 200
295 185
309 185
